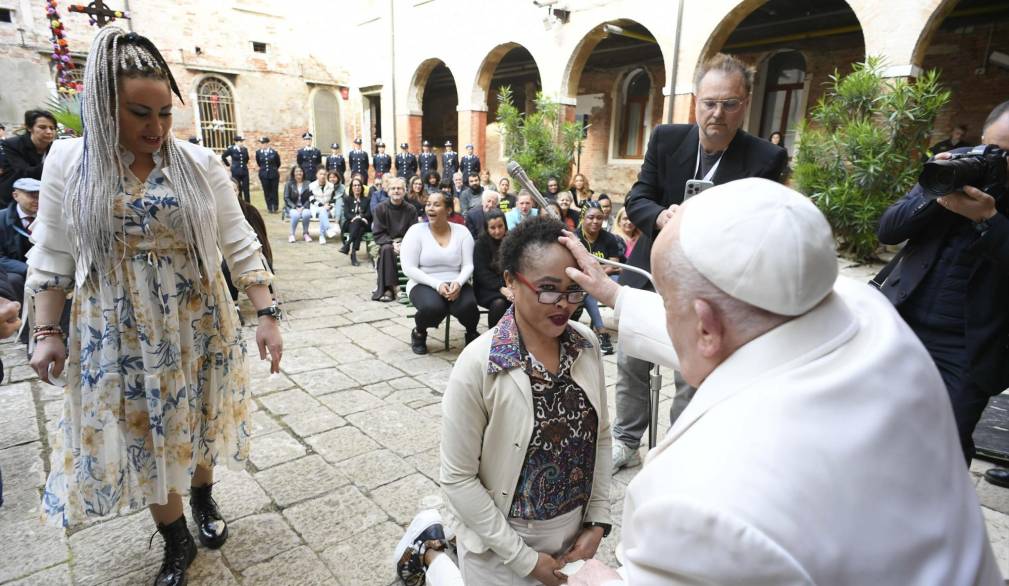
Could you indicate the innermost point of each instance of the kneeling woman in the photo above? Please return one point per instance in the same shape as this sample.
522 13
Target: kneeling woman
525 452
437 256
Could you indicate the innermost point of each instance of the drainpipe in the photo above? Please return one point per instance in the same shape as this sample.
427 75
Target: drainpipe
676 63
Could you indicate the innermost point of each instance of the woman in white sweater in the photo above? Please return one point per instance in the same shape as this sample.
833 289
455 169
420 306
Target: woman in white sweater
437 257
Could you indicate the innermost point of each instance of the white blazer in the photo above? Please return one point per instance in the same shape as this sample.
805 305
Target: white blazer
823 452
52 234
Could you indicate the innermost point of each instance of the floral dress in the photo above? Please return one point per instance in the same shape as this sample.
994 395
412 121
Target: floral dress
156 376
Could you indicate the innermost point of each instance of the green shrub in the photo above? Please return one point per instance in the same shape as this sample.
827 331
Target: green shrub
861 150
541 141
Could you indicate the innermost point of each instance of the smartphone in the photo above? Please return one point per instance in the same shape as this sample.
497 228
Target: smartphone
570 568
695 186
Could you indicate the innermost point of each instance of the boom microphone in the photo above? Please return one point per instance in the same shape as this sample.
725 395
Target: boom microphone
516 171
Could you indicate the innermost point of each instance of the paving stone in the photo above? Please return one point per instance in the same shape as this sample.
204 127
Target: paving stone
238 494
347 402
262 424
313 422
380 390
998 534
423 364
306 359
55 576
345 352
290 401
30 546
340 444
398 428
299 480
375 468
23 467
18 423
371 315
427 463
437 380
20 373
993 497
20 505
434 412
258 538
274 448
207 569
402 384
370 371
401 499
299 566
321 322
321 382
340 515
414 398
271 384
316 337
114 548
365 559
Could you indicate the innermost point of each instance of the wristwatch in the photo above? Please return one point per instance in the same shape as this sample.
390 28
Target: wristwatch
606 527
273 311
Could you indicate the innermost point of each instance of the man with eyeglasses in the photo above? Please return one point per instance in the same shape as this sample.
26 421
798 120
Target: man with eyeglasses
715 149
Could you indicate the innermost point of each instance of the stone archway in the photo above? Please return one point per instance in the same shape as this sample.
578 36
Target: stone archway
418 96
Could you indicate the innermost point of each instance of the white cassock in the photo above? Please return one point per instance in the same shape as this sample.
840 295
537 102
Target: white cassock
823 452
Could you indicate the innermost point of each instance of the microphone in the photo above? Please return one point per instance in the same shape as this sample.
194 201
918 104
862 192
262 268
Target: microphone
516 171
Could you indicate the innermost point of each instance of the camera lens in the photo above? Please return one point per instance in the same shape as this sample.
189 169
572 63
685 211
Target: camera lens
938 178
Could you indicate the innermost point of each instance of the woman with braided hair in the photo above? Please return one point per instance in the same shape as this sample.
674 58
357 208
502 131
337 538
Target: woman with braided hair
134 224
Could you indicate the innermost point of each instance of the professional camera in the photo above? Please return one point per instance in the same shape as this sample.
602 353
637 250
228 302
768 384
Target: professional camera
983 167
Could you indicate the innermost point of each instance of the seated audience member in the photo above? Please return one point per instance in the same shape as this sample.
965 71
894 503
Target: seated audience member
523 209
580 192
600 244
801 373
470 197
553 210
485 180
606 207
569 215
379 192
476 219
431 181
458 185
454 216
437 256
336 209
10 321
416 194
24 154
627 231
255 220
488 278
555 440
321 202
356 218
15 229
390 223
553 188
506 201
296 197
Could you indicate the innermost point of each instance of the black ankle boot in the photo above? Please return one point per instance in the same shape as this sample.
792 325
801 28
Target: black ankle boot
180 550
353 258
345 248
212 529
470 336
418 342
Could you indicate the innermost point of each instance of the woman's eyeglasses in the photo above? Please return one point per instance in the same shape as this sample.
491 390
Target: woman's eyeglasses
551 297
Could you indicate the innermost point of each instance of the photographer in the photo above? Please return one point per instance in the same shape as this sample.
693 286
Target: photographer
951 280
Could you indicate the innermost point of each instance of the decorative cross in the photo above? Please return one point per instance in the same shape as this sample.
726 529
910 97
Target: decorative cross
98 12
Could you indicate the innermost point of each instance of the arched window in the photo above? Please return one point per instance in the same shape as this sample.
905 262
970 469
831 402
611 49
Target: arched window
786 77
326 115
633 112
215 113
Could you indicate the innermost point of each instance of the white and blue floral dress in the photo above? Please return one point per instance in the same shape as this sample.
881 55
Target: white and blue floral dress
156 377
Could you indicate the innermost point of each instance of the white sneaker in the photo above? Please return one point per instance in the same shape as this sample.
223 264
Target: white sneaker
624 457
291 238
424 532
308 238
322 238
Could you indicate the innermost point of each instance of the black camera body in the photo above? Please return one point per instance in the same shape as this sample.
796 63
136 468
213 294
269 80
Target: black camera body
983 167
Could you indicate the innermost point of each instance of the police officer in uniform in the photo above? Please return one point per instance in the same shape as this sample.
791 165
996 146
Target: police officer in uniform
268 160
309 157
336 162
406 162
358 160
449 161
382 161
427 160
237 157
469 163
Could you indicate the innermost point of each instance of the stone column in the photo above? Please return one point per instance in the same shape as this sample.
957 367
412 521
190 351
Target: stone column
473 130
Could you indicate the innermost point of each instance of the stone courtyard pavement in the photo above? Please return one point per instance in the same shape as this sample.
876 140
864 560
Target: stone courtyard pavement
345 450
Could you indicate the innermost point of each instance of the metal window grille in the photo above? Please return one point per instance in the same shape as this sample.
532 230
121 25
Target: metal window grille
215 108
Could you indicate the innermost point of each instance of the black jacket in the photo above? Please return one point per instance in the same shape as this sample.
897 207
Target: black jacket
20 160
406 164
294 199
475 220
487 282
268 160
926 225
352 209
309 159
14 242
236 157
670 161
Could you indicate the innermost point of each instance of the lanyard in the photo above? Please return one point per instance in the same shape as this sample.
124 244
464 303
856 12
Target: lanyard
711 171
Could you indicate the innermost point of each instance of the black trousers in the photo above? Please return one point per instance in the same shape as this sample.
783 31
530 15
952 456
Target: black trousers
355 232
496 310
948 351
270 187
243 185
432 308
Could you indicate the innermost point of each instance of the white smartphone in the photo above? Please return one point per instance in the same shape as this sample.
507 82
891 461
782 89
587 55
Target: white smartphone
695 186
570 568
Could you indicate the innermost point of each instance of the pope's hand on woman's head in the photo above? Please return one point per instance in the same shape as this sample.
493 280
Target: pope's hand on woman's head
591 277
